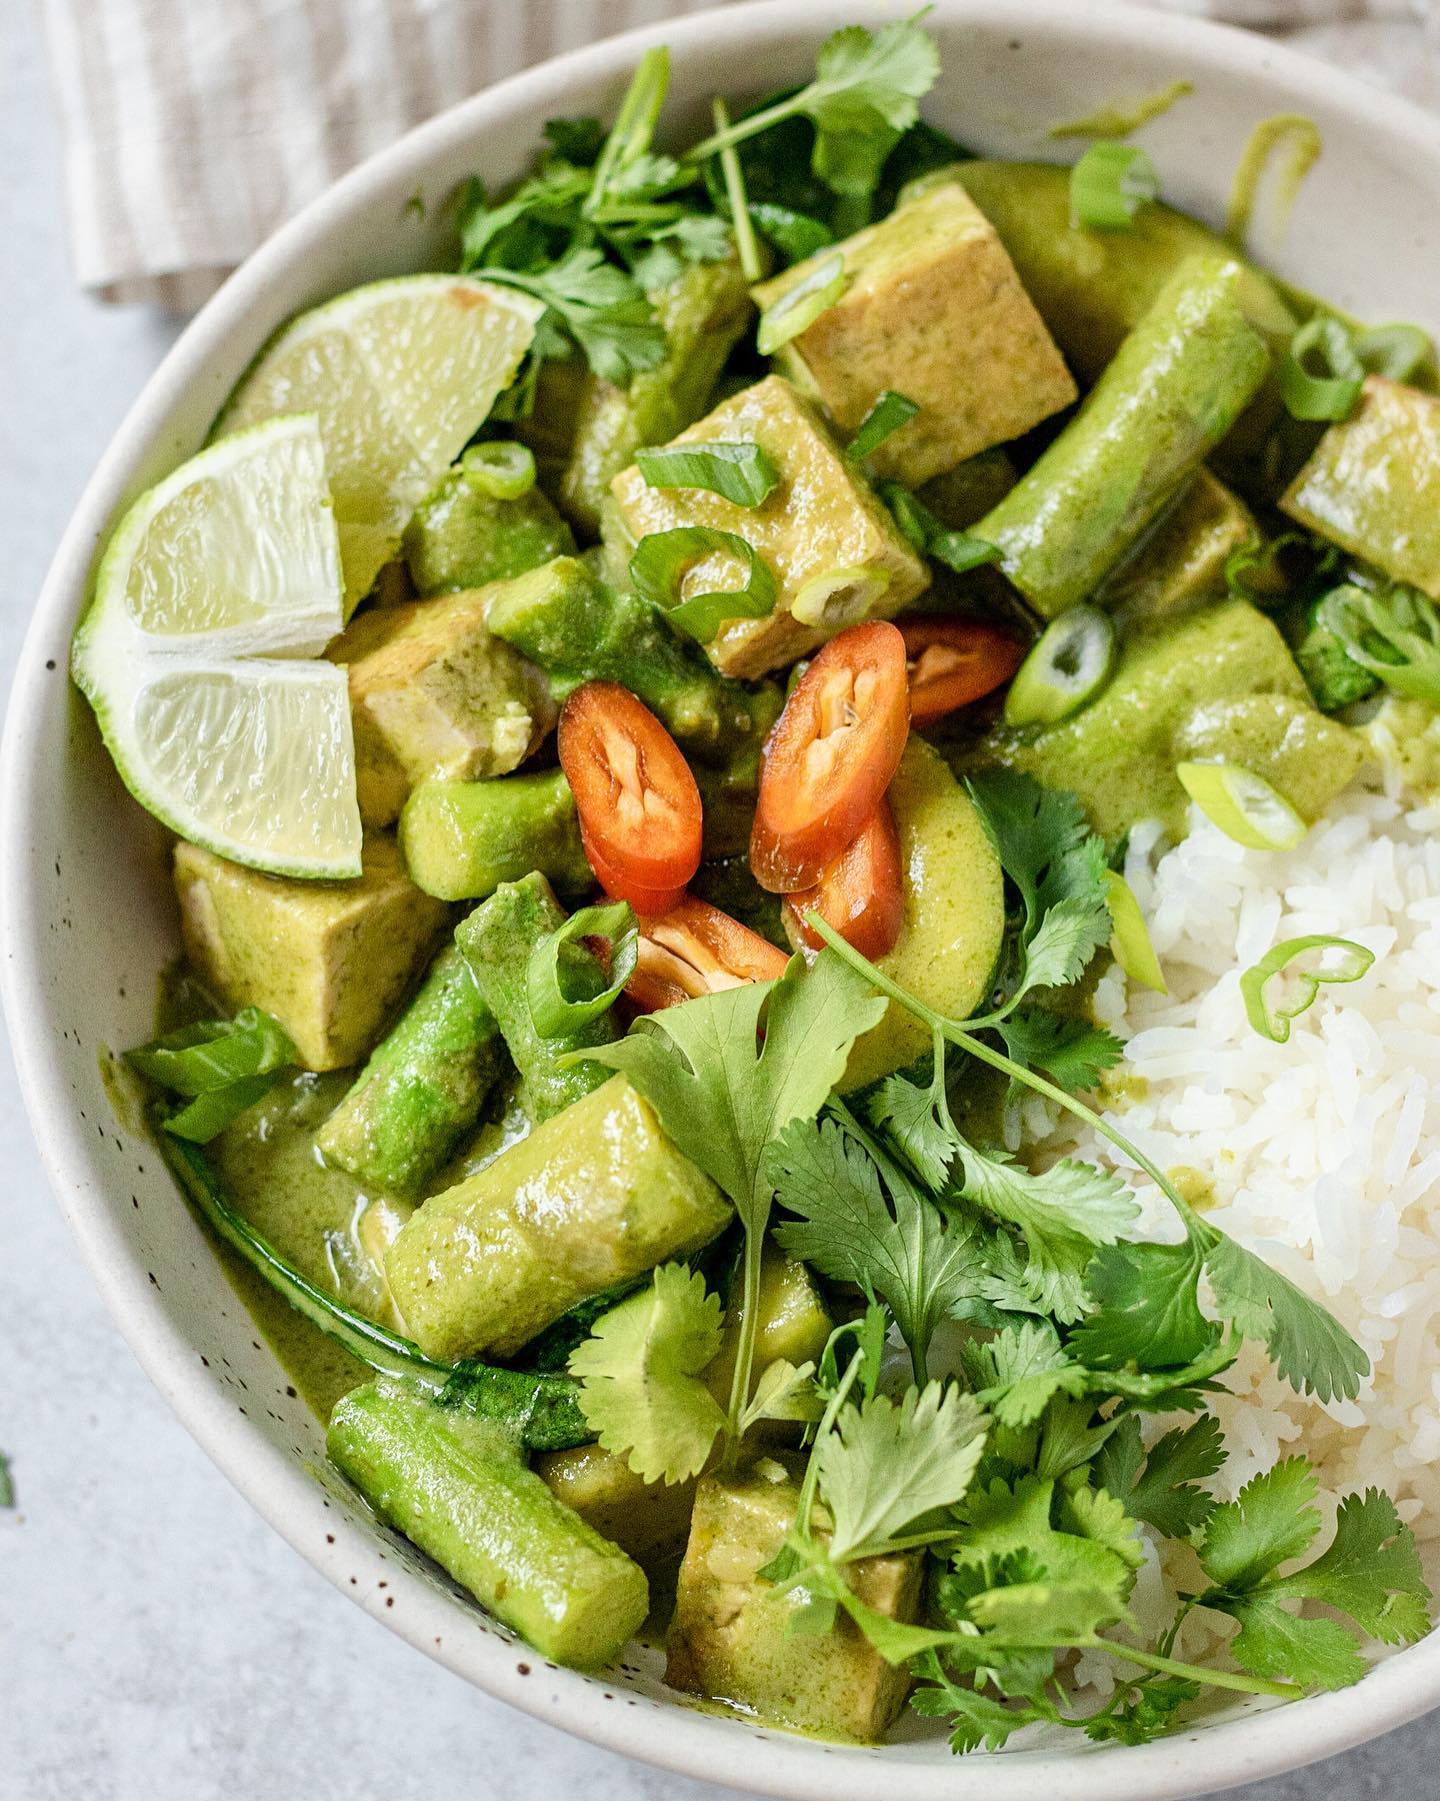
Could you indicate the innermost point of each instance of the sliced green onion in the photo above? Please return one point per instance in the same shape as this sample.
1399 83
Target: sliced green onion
1068 667
225 1065
742 473
1395 635
840 597
566 983
502 469
801 305
888 414
1323 958
1130 941
1394 351
748 250
1257 571
1109 185
917 523
1243 805
635 122
957 550
796 236
1330 391
961 551
658 569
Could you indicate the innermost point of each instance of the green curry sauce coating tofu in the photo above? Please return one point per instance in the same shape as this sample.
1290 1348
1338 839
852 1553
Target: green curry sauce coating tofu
1175 387
458 1487
703 312
729 1637
821 520
932 309
954 912
1174 696
1093 287
329 960
463 839
1372 485
1180 562
462 537
434 693
423 1086
648 1520
593 1197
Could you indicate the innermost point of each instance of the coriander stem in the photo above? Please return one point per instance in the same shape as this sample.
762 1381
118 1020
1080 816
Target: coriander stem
747 128
959 1035
745 1349
749 251
1194 1672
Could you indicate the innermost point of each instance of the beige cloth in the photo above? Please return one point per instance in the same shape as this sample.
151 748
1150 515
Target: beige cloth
192 128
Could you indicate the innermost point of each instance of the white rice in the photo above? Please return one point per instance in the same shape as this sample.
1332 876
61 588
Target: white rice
1322 1154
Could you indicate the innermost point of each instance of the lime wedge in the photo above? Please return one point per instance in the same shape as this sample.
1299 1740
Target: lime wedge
1243 805
400 374
216 589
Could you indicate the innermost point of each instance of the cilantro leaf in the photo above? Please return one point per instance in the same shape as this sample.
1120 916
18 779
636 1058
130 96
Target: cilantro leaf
723 1094
1003 1519
864 96
1273 1518
1063 1213
976 1718
1072 1052
887 1465
1020 1371
639 1373
1308 1345
917 1121
899 1249
1370 1571
1150 1712
604 310
1160 1486
1149 1312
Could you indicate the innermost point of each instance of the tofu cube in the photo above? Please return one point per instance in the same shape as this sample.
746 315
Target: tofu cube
821 521
728 1639
432 693
933 309
1180 562
1372 485
328 959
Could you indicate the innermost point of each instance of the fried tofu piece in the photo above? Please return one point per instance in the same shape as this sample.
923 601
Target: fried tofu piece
329 960
728 1639
432 693
1372 485
836 554
934 310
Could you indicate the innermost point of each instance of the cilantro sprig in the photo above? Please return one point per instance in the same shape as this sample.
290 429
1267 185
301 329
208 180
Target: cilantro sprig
727 1073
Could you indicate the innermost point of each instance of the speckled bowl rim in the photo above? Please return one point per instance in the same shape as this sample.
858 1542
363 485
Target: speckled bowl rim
675 1738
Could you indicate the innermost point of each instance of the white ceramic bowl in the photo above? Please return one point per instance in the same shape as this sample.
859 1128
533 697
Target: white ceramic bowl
81 954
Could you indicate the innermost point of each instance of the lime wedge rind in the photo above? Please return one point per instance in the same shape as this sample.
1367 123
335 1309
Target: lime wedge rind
279 586
230 733
402 372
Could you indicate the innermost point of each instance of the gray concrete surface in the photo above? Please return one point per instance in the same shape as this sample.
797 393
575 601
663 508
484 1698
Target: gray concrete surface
157 1641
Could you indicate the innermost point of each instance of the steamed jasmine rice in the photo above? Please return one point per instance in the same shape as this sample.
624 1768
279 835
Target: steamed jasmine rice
1321 1154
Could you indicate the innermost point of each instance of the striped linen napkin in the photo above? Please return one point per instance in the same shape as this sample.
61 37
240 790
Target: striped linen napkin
192 128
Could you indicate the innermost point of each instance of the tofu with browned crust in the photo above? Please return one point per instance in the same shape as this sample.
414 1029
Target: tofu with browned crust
932 309
432 693
836 554
329 960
